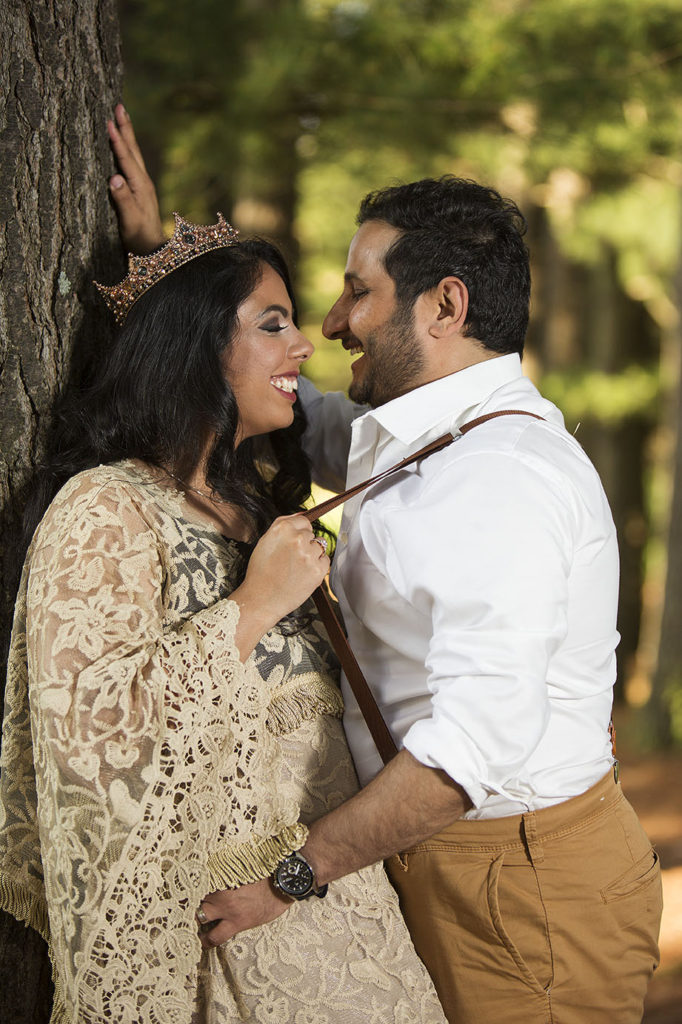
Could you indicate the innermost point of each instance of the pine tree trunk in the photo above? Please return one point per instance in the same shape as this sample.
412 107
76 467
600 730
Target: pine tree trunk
664 711
583 318
666 698
60 75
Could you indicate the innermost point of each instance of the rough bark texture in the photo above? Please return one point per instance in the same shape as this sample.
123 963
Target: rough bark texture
60 74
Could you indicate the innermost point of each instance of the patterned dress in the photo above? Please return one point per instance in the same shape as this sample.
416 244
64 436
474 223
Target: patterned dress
145 765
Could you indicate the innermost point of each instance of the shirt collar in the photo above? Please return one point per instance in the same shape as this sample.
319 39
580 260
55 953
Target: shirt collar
450 398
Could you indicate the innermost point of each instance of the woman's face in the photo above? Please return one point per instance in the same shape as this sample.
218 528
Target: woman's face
265 356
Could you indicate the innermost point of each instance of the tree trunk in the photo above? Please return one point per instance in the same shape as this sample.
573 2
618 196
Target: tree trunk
266 186
619 333
583 318
60 75
663 714
666 697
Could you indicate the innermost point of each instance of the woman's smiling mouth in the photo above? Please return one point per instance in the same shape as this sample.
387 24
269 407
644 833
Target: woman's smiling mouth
287 385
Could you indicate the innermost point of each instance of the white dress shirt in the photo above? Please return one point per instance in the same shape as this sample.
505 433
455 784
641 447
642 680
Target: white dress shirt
479 588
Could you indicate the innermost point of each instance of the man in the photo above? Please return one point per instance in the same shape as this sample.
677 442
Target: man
479 591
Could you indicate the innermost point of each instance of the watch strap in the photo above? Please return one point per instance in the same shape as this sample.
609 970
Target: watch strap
315 890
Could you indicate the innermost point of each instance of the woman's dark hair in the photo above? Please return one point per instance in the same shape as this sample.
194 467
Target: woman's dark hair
454 227
160 390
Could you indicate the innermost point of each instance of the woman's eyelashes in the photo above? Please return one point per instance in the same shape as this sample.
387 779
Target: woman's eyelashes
274 326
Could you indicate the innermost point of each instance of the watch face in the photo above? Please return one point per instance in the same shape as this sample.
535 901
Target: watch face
294 876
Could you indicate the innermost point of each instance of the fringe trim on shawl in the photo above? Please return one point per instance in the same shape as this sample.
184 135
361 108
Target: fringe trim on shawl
308 698
235 864
25 906
59 1012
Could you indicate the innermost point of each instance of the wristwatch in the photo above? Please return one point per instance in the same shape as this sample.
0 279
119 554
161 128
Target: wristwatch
296 879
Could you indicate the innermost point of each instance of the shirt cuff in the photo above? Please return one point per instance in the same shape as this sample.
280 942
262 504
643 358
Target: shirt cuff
433 749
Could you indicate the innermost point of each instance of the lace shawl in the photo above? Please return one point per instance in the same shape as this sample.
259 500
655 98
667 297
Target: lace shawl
136 758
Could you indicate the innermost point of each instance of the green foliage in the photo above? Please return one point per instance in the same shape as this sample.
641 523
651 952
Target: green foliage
342 95
284 113
605 397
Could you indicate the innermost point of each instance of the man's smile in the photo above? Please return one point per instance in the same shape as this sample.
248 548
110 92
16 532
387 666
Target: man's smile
353 346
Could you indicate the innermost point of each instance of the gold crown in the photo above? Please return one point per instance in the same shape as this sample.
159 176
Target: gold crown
188 242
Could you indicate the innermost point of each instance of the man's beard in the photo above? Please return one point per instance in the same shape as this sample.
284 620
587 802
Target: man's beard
394 361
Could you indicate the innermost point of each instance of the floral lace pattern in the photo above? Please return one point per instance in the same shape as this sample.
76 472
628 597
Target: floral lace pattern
346 959
137 772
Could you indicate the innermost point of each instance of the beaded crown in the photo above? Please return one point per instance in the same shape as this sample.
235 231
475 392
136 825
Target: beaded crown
188 242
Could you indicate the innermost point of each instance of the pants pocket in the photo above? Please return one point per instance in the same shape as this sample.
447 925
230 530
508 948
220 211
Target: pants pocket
516 909
643 873
634 903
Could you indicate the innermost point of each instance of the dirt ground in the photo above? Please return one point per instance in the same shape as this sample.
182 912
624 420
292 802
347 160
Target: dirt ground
653 785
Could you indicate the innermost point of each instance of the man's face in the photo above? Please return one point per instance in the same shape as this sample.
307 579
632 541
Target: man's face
372 324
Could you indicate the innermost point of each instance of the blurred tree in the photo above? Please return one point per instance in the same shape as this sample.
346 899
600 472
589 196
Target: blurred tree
60 71
665 711
217 91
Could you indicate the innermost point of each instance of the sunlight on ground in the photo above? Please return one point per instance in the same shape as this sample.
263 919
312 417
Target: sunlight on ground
671 925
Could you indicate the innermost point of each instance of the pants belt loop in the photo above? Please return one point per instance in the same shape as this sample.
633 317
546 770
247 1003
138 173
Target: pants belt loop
530 835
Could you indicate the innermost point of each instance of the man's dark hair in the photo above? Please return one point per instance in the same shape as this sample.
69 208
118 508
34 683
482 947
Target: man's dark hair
457 228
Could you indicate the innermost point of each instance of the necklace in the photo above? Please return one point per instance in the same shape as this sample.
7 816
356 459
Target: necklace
209 497
217 500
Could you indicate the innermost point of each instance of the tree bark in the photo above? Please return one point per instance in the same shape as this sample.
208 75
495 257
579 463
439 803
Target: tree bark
60 75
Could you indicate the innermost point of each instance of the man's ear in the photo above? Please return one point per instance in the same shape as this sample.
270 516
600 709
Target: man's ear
449 305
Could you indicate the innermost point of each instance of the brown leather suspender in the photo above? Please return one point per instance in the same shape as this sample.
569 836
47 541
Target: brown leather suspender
370 709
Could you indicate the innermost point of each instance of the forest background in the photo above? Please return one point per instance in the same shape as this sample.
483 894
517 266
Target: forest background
282 114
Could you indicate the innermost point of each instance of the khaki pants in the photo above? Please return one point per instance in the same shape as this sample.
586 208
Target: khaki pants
550 917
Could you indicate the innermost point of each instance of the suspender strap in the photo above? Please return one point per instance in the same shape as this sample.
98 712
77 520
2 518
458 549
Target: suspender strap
493 416
381 735
429 449
383 740
338 499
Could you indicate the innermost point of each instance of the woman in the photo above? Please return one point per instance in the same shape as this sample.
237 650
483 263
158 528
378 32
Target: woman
172 714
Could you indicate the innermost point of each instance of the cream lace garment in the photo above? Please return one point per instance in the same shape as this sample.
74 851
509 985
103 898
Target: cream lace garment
136 758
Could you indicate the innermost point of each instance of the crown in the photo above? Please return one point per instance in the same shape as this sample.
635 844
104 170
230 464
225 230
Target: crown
188 242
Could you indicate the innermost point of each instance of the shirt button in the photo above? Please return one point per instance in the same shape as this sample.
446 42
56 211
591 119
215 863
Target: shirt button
343 537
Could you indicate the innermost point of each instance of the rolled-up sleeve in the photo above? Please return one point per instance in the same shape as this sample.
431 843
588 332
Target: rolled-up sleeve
489 564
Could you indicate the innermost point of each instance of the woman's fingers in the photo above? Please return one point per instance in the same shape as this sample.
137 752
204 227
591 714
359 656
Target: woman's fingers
126 159
131 164
125 126
132 190
322 541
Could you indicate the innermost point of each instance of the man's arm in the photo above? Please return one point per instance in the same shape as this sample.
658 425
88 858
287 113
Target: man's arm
405 804
493 584
327 439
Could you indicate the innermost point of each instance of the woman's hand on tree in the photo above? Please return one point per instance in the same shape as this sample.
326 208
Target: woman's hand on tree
132 190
